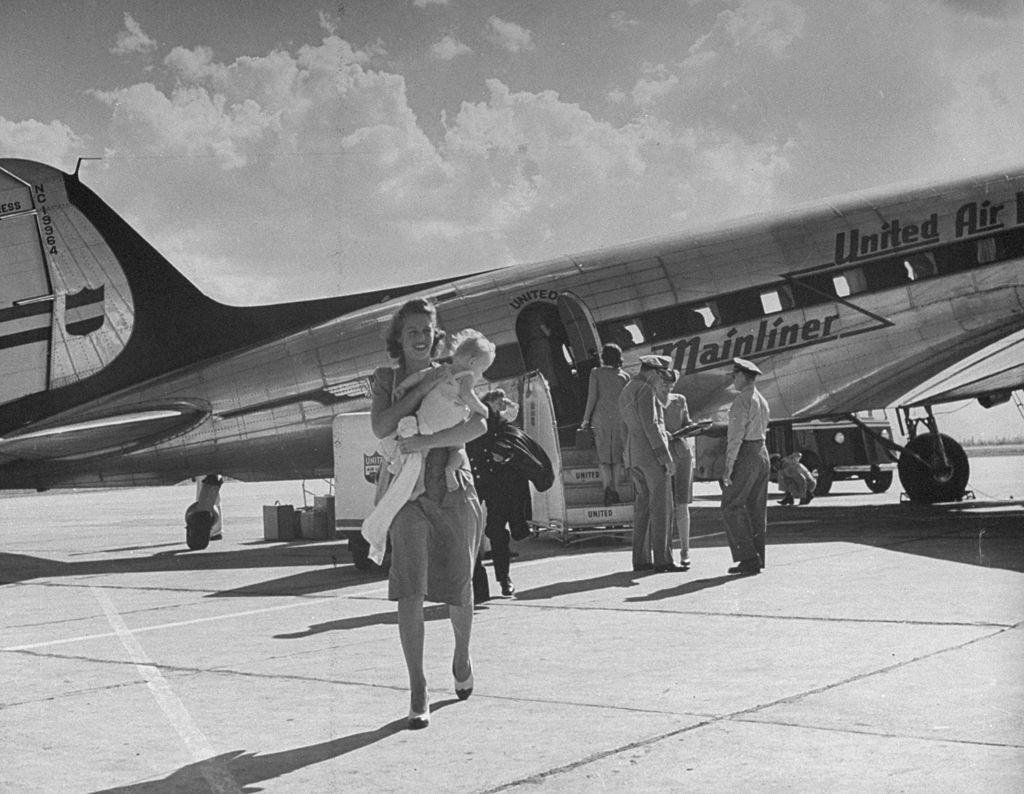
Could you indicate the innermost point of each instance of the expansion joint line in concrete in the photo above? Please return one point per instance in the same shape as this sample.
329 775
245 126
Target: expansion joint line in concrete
738 716
215 773
515 604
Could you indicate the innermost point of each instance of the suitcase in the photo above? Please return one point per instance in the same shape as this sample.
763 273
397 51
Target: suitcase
279 522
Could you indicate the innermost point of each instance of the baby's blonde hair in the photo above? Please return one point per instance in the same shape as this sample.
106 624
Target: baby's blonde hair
470 343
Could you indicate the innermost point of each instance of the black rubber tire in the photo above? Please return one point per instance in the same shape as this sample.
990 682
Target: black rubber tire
878 483
197 530
930 483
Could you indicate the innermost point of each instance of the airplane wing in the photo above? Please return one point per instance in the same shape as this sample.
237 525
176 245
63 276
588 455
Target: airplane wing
997 372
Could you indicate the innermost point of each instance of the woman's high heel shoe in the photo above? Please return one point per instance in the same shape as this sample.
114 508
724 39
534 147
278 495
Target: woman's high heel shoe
463 689
419 719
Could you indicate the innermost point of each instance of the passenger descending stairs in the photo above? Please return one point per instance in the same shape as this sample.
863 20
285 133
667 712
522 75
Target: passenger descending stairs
585 511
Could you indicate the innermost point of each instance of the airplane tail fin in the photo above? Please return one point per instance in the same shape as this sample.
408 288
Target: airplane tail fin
88 306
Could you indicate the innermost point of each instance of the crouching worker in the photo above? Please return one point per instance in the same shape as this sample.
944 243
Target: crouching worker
795 480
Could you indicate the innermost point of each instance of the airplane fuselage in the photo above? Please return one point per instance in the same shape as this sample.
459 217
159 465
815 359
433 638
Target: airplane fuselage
845 308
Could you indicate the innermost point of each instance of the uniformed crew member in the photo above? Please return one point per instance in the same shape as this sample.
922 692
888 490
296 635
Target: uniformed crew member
649 460
745 493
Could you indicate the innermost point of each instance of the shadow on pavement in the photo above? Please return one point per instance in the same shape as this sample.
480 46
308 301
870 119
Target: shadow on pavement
432 612
239 769
991 538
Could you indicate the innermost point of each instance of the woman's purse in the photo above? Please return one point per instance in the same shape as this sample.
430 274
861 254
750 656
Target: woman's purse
585 437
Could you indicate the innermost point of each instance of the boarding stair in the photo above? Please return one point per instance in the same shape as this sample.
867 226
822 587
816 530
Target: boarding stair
586 515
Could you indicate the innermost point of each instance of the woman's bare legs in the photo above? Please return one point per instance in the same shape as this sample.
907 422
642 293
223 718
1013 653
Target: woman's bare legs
462 627
683 525
410 632
607 476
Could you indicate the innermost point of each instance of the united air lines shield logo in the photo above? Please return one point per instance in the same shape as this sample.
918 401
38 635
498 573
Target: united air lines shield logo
371 466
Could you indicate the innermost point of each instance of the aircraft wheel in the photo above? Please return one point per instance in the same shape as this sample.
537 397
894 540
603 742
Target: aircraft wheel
197 529
879 482
934 482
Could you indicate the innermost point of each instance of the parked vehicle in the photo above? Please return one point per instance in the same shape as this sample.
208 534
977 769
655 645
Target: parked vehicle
832 450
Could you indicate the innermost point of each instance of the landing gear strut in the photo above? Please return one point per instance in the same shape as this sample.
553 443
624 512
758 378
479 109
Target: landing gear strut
932 466
202 519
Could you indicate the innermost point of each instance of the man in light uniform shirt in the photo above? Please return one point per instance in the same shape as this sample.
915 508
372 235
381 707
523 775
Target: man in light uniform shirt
745 495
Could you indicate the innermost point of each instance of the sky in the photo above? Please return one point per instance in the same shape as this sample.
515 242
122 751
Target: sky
288 150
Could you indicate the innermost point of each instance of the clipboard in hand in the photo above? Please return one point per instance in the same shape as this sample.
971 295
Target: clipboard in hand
692 429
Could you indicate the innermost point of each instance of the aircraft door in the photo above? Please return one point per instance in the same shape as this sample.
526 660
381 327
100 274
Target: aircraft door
545 345
584 343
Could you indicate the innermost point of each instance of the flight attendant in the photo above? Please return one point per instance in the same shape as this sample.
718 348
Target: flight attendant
745 481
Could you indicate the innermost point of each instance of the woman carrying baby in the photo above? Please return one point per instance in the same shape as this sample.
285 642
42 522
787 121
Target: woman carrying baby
436 533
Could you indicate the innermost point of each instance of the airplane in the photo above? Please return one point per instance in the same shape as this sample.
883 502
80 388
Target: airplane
117 371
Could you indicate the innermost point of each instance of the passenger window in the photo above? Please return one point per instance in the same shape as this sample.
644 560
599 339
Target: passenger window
812 290
675 321
708 314
986 250
741 306
1010 245
849 282
885 274
919 266
955 257
777 300
635 334
624 333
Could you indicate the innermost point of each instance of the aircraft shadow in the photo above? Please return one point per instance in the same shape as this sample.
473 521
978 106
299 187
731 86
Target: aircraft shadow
990 538
326 566
239 769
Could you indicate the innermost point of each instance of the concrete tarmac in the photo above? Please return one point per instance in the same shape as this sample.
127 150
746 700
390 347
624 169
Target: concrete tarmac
879 651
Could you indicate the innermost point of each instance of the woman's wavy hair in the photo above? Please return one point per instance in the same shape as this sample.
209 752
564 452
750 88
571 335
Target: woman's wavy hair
414 306
611 355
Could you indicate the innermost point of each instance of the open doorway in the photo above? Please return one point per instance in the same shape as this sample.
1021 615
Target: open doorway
560 341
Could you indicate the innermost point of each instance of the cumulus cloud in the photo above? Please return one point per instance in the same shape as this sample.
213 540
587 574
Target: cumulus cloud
54 143
311 161
509 35
656 83
327 22
448 49
132 40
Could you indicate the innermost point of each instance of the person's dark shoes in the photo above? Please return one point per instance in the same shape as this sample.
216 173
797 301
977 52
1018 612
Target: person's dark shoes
507 588
611 497
806 500
463 689
643 567
746 567
419 711
787 500
667 568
